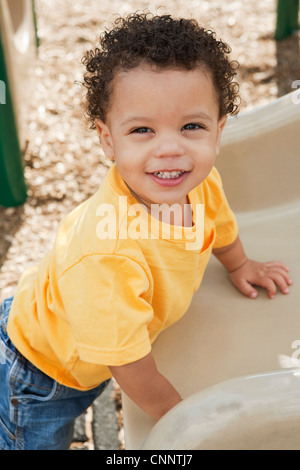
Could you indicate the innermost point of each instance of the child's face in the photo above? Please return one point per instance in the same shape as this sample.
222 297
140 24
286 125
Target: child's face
163 131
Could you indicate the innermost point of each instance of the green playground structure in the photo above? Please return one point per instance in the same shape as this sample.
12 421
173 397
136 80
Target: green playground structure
18 42
287 18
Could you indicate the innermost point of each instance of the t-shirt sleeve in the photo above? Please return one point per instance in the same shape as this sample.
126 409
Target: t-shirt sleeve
226 226
107 303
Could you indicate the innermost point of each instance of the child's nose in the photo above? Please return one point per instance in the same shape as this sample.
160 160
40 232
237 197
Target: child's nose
169 146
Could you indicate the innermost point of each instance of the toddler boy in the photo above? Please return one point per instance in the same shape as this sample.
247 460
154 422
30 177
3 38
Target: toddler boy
126 263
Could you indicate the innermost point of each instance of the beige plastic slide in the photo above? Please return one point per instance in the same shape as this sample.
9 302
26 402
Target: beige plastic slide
225 336
18 34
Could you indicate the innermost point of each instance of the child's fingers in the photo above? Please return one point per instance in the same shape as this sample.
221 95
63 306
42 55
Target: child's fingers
268 283
277 277
283 282
246 288
271 276
281 278
270 286
277 264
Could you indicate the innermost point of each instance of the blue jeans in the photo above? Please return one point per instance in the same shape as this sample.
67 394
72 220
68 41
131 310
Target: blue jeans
36 412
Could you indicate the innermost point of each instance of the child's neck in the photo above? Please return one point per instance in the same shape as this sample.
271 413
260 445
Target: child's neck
182 217
175 214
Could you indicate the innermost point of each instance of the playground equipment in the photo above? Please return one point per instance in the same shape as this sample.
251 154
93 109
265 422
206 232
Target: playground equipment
17 51
250 413
225 336
287 18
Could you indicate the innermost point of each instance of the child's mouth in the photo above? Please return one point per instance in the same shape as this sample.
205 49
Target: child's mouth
168 178
168 174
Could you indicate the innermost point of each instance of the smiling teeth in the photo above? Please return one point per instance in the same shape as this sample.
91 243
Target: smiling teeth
168 174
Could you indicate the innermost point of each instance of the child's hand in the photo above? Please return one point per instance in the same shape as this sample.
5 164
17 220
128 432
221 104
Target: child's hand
244 273
268 275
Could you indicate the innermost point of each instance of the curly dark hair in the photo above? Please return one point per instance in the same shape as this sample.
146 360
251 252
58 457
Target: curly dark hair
162 42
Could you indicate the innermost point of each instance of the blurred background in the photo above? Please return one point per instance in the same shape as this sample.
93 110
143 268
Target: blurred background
63 161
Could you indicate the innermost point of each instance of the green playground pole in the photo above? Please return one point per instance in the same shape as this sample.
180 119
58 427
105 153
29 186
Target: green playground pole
12 183
287 18
37 39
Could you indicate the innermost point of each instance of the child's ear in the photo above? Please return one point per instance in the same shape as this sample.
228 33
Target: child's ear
105 138
221 125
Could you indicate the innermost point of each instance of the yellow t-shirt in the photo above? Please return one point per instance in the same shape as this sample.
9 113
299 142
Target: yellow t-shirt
113 281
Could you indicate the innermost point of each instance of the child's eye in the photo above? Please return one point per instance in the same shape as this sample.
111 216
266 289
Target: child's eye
192 126
141 130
